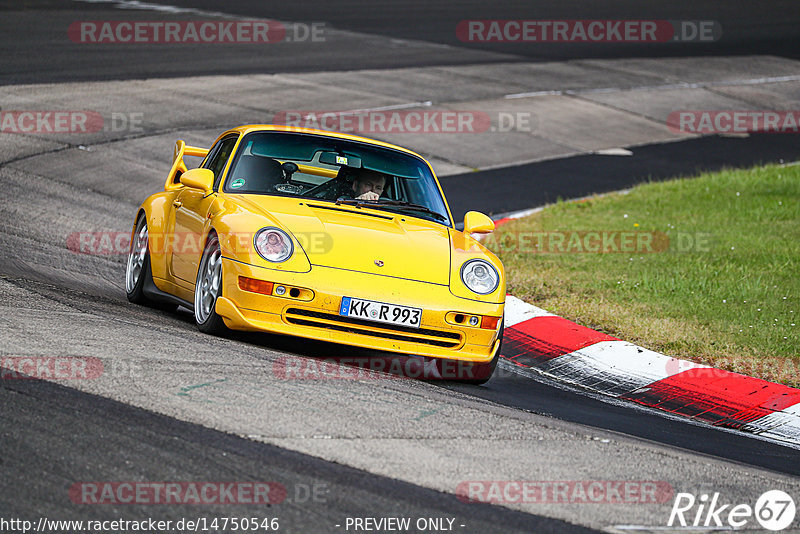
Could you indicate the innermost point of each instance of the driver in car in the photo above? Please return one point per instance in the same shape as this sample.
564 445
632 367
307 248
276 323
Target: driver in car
367 185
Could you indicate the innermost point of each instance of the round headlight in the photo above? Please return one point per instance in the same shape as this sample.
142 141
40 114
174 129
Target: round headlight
273 244
480 276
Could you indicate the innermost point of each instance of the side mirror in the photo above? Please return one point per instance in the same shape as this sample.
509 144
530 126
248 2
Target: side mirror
202 179
476 222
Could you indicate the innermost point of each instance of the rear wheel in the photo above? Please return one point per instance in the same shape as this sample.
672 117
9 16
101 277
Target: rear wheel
208 288
138 272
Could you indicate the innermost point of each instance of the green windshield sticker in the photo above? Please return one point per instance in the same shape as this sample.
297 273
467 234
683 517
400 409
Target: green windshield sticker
341 160
237 183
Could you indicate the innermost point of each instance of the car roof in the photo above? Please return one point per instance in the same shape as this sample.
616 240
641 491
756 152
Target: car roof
248 128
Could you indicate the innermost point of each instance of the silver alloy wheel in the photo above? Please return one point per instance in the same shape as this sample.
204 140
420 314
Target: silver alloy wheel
209 282
136 256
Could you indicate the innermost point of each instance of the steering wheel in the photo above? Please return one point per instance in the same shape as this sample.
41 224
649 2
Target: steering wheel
322 188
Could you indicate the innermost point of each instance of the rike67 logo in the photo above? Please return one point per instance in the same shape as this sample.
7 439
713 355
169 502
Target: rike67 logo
774 510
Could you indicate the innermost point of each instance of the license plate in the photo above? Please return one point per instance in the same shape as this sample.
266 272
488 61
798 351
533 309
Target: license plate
380 312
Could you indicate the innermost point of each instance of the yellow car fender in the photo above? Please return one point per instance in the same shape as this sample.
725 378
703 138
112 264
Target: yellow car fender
464 248
154 209
239 245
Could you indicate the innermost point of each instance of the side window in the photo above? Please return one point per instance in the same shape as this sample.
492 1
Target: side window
219 157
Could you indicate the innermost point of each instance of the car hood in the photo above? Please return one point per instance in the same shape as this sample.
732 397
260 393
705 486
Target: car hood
362 239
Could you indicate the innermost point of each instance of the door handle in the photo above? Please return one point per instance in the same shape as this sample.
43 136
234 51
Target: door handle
177 203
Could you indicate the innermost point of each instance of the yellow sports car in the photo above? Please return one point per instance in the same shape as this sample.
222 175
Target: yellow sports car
320 235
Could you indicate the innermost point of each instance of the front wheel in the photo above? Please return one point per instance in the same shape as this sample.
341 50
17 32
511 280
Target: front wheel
208 288
482 372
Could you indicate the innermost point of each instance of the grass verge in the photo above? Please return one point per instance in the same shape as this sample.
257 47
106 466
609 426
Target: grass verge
705 269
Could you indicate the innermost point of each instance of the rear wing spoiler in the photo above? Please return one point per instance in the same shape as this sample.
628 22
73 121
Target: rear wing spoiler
178 166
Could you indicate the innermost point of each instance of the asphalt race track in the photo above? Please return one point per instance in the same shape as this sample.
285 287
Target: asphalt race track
319 493
401 25
519 187
173 404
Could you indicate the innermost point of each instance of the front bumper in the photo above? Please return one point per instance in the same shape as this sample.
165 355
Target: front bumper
314 312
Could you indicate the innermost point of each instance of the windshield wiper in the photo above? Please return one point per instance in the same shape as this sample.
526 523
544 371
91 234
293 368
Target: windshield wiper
355 202
415 207
386 202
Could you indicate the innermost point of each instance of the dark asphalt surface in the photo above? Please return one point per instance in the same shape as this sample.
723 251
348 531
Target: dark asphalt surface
747 28
535 184
541 397
62 437
36 47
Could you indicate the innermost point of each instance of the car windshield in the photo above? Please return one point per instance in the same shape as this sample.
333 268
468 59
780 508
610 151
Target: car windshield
335 170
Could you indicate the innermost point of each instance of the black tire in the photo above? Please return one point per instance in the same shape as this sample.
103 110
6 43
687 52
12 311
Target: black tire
135 283
205 296
484 371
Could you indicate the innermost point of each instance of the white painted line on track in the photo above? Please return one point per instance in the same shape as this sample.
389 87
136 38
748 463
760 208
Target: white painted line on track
659 87
146 6
613 152
391 107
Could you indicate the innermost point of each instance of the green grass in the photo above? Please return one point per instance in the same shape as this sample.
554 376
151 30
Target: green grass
731 300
